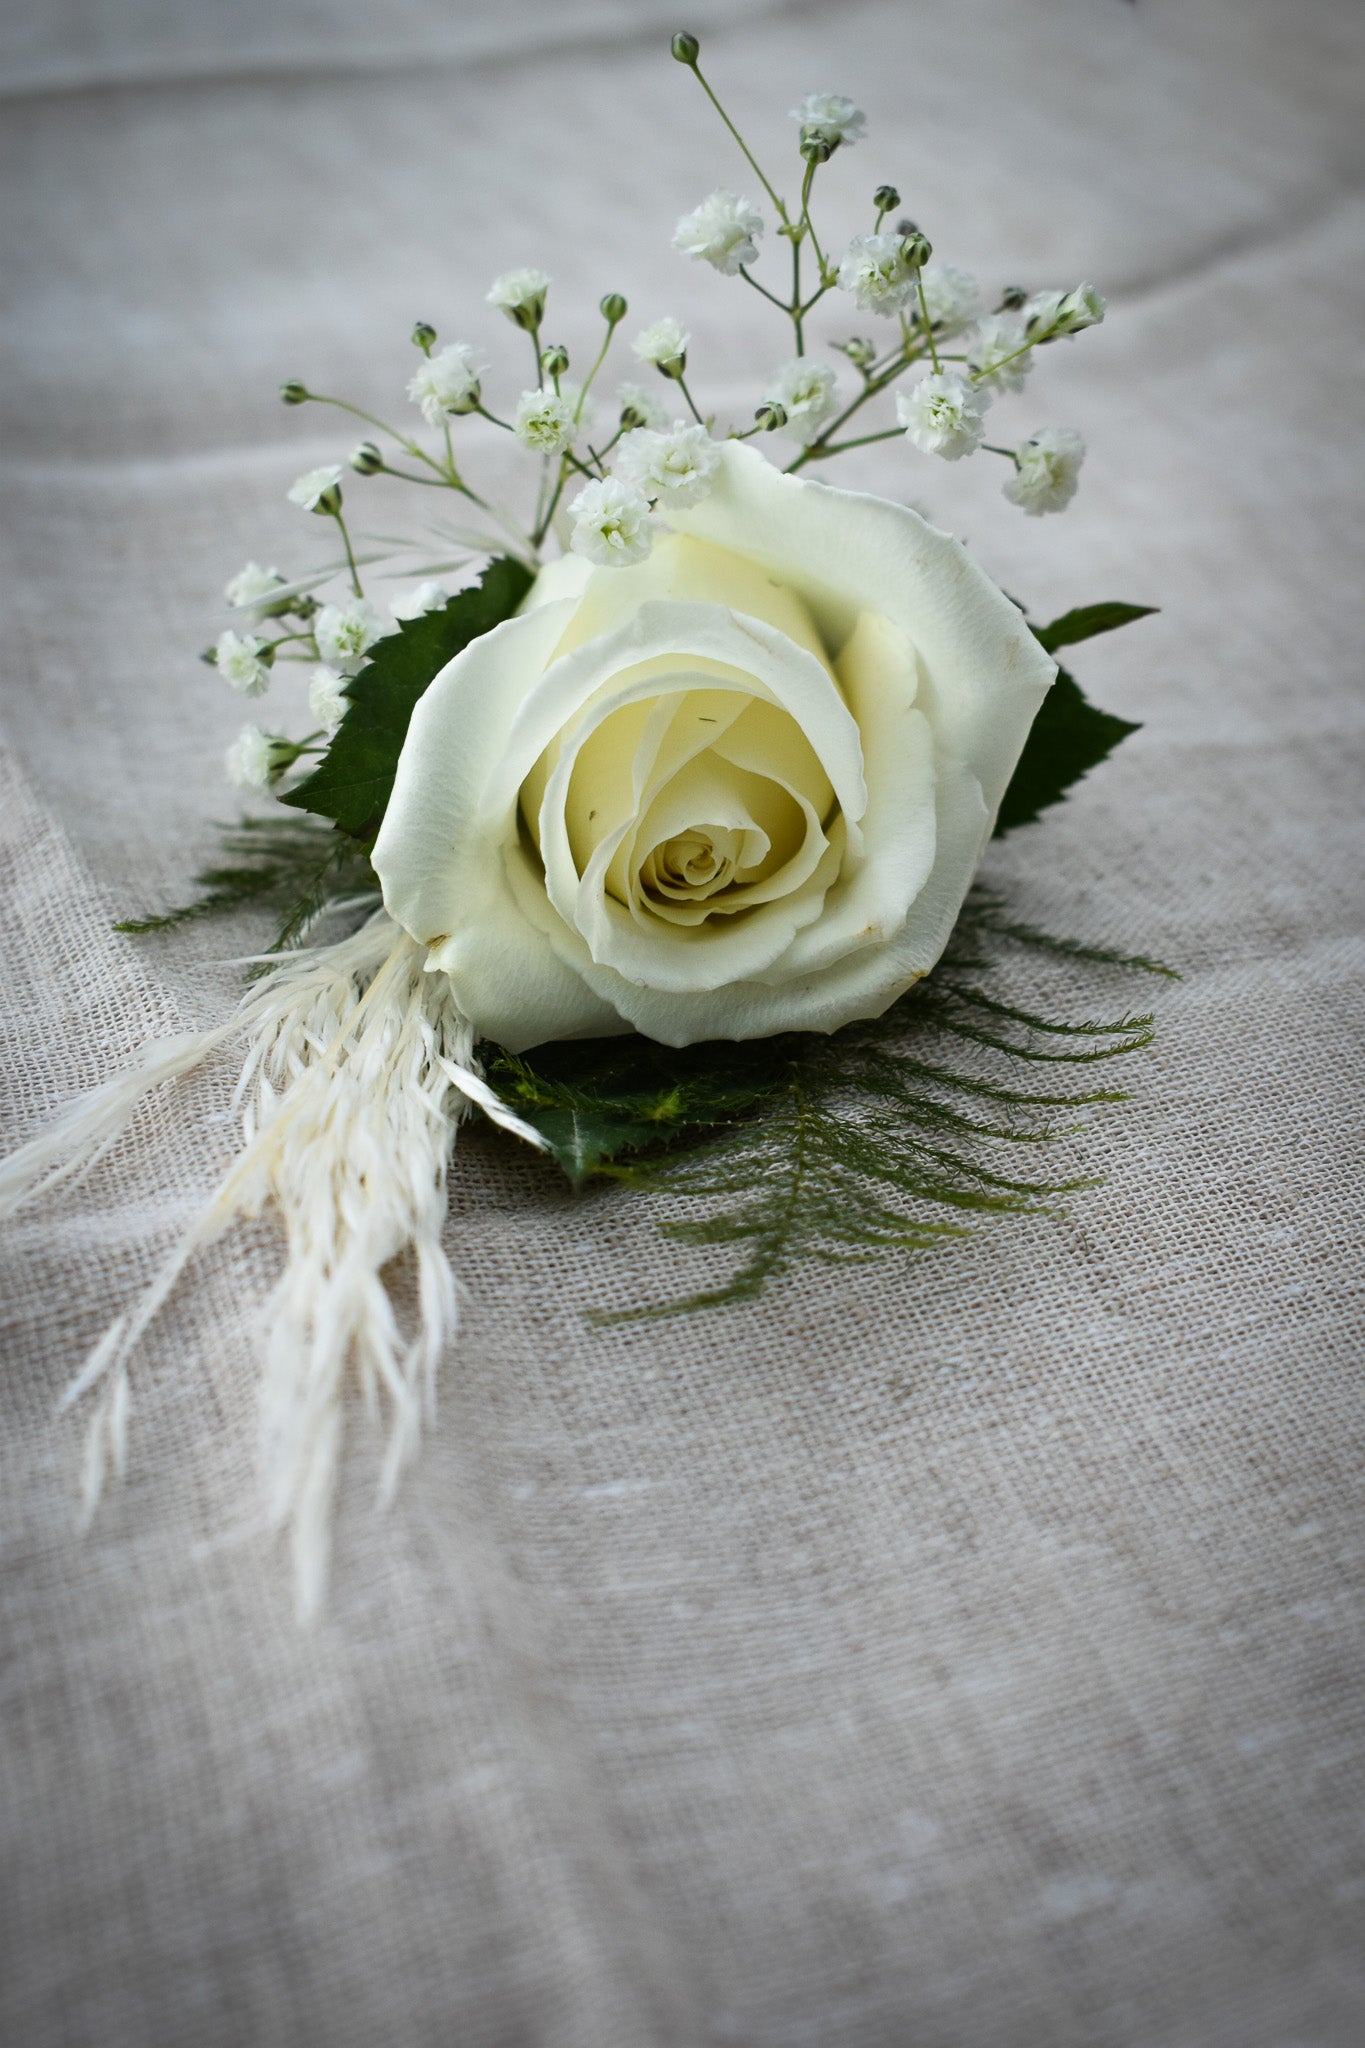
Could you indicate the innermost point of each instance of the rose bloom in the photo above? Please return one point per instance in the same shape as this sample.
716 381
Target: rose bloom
735 789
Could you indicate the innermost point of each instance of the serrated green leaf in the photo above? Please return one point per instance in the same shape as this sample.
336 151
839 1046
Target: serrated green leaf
592 1103
1086 621
1066 740
352 783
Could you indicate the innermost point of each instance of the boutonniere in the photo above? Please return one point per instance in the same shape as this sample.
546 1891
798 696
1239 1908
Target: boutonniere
641 817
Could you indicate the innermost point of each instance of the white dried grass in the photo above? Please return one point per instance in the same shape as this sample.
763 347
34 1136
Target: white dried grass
358 1069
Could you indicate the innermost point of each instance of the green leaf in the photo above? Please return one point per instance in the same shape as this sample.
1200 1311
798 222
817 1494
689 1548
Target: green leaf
289 865
841 1148
593 1104
1088 620
353 781
1067 739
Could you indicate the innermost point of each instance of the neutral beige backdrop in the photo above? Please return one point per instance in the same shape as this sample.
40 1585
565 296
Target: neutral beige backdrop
962 1653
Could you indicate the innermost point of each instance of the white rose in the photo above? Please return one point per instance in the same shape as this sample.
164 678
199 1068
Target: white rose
735 789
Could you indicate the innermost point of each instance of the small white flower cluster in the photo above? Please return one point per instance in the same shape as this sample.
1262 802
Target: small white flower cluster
676 468
317 490
249 759
345 633
804 391
612 524
723 231
943 415
237 659
878 274
831 118
663 344
448 383
1047 466
652 460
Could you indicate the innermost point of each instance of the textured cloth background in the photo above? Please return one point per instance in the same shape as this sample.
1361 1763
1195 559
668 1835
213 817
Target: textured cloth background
963 1652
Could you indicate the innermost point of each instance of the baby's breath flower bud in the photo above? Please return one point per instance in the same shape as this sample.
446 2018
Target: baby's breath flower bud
318 490
886 198
366 459
520 294
817 148
294 393
772 418
686 48
1012 299
554 361
918 249
860 352
424 337
613 309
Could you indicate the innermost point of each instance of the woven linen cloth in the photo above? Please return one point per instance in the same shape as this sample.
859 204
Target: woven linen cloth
962 1652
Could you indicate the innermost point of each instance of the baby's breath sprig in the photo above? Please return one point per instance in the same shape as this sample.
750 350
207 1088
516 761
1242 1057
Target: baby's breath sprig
947 362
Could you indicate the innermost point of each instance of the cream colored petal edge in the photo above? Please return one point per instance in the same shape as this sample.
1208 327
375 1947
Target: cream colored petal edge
444 880
984 675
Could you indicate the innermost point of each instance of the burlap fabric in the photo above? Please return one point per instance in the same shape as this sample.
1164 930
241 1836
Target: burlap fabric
963 1653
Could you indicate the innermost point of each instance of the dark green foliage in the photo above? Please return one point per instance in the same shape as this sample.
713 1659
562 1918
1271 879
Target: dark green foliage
286 865
352 782
1086 621
1067 739
839 1148
1069 736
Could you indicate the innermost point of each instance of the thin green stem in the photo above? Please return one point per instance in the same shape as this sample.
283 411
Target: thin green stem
587 381
984 376
744 147
821 449
544 525
771 297
927 324
795 307
412 448
430 483
873 388
806 220
350 553
681 383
